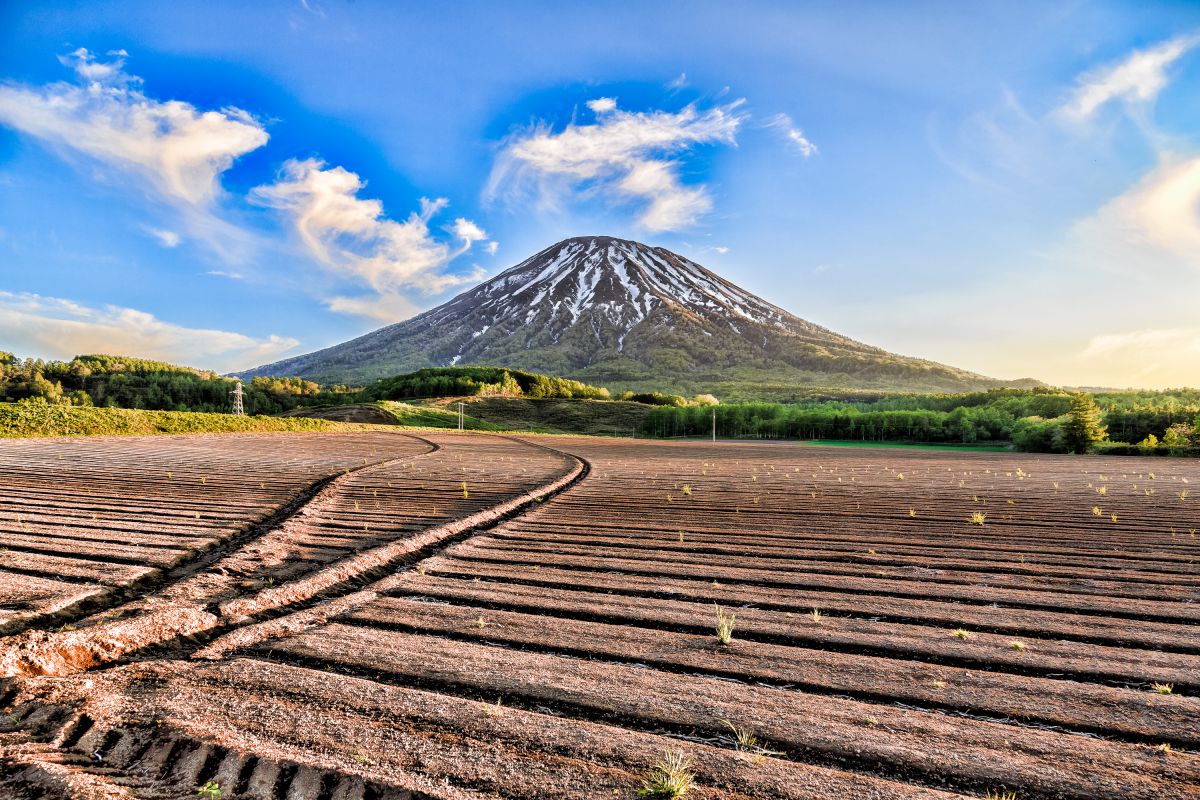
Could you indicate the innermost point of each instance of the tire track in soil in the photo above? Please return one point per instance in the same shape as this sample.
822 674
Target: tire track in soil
205 558
180 628
117 629
50 759
155 507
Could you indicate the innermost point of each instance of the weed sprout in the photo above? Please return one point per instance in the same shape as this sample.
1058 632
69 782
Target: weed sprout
724 624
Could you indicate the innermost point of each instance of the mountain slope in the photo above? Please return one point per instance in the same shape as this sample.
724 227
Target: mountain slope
621 314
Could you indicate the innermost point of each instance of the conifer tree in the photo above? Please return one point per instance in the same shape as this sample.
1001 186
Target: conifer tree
1083 429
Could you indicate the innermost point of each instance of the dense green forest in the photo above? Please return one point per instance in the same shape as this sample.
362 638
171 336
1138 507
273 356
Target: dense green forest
500 382
1039 420
478 382
121 382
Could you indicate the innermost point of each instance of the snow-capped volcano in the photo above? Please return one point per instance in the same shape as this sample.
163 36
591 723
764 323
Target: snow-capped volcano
618 281
612 286
626 315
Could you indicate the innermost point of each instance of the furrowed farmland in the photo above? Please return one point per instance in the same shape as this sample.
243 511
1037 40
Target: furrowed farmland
371 615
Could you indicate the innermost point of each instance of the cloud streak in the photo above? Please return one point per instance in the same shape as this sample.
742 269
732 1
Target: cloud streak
1137 80
794 136
53 327
624 156
350 236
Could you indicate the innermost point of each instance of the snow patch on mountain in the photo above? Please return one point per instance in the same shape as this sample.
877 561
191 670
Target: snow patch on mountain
617 281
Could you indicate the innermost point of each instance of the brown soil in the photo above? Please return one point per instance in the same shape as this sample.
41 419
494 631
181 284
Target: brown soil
351 413
346 620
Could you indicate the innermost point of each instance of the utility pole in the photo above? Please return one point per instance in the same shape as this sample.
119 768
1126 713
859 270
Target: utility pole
460 415
714 413
238 410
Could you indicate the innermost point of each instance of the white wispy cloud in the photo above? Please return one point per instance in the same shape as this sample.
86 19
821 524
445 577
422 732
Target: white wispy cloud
679 83
54 327
350 235
386 307
624 155
165 238
170 149
794 136
1136 80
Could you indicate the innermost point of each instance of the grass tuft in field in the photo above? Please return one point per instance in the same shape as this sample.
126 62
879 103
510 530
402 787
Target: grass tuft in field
724 624
670 778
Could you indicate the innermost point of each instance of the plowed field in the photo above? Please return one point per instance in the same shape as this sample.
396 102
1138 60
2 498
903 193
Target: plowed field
354 616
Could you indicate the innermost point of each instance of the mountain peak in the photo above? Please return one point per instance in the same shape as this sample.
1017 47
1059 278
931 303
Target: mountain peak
621 313
623 281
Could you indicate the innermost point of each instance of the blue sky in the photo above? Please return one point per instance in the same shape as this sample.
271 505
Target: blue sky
1012 188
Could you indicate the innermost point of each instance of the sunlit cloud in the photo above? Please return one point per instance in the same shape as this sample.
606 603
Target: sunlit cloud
173 147
53 327
623 155
1138 79
1147 357
1153 224
169 149
351 236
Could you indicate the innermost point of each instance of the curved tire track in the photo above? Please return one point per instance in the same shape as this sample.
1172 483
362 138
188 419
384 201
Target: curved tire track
69 651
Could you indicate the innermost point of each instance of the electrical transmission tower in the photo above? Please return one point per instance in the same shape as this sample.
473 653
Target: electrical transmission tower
237 400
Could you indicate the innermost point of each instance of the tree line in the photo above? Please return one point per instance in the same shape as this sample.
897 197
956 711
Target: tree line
121 382
1035 420
478 382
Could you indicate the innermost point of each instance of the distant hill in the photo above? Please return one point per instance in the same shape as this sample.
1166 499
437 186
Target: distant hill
627 316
